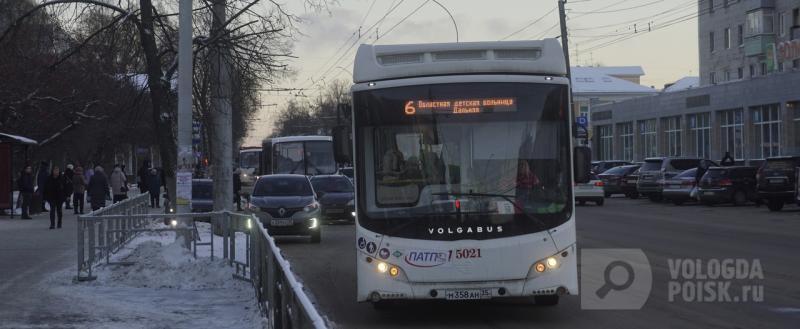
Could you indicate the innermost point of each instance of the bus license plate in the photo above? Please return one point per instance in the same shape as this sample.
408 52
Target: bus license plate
467 294
281 222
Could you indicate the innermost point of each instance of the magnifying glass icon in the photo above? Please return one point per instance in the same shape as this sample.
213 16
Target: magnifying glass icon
611 285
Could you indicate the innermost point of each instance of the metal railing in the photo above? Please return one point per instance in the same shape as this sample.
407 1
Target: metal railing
280 296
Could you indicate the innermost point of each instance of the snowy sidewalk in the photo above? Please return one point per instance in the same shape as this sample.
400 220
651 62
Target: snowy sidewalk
164 288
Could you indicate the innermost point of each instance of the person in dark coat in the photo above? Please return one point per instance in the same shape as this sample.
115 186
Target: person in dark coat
144 170
25 185
98 189
69 174
727 160
237 187
55 192
41 178
154 186
79 190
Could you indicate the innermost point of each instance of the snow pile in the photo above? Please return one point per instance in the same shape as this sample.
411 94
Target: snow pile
166 266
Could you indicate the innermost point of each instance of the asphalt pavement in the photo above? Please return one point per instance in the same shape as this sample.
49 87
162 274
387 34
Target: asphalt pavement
663 231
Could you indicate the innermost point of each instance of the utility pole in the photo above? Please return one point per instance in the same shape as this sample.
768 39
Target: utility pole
565 44
185 163
221 114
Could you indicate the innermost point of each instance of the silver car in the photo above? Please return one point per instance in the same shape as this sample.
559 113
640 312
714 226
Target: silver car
287 205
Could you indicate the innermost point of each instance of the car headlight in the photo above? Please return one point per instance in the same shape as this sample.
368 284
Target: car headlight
314 223
311 207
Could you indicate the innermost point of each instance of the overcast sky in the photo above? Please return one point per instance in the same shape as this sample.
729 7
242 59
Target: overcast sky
667 49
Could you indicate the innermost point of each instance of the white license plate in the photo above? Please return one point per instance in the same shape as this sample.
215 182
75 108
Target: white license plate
631 181
467 294
281 222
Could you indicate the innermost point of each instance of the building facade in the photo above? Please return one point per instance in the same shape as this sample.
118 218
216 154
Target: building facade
751 116
745 39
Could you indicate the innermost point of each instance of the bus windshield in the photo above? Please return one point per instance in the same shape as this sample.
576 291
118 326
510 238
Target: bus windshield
304 158
249 159
437 158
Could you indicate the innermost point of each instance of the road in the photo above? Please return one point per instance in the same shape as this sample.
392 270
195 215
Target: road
663 231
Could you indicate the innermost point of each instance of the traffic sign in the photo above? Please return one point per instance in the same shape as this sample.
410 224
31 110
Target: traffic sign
582 121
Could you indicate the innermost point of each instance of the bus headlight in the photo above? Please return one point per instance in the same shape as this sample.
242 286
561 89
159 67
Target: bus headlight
386 268
551 262
383 267
548 264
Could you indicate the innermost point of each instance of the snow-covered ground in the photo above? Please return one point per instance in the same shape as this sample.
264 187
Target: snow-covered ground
165 287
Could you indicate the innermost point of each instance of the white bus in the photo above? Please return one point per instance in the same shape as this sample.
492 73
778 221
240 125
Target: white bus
464 162
304 155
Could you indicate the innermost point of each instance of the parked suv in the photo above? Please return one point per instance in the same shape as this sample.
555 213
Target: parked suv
776 180
655 170
618 180
734 185
599 167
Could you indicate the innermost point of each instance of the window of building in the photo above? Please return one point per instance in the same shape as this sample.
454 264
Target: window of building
727 38
710 6
584 111
626 140
794 109
672 135
700 131
752 70
782 24
763 68
732 133
760 22
713 77
725 3
740 36
711 41
740 73
649 138
605 148
766 131
796 17
727 75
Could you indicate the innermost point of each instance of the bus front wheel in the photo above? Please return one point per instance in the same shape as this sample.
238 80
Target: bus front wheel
546 300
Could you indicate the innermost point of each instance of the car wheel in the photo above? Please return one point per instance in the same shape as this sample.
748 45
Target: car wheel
600 202
633 195
739 198
546 300
316 236
606 195
775 205
678 202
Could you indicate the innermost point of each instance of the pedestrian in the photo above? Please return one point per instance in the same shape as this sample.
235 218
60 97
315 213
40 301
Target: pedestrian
41 178
727 160
237 187
119 184
142 174
98 189
78 190
55 192
69 174
89 172
25 185
154 185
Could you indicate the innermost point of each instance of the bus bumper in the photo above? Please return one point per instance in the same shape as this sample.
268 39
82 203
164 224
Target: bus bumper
374 285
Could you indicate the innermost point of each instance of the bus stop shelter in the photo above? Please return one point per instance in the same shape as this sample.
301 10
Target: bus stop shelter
10 145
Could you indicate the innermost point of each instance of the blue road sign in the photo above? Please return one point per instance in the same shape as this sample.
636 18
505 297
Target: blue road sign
582 121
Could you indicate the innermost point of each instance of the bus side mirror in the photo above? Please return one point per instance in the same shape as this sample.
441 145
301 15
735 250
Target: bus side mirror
582 164
342 145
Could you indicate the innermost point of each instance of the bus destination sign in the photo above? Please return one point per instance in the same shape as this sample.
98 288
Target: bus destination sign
460 106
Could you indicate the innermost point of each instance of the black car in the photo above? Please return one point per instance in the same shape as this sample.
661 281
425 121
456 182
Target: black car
202 195
287 205
620 180
336 196
776 181
599 167
734 185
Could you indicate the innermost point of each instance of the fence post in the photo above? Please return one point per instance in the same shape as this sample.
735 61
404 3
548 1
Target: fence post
81 244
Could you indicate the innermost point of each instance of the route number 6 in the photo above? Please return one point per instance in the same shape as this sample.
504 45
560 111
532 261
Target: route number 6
410 109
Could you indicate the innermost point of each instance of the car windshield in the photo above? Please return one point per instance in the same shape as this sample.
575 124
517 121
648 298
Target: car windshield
282 186
249 159
332 184
616 171
651 165
779 164
691 173
440 153
202 190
